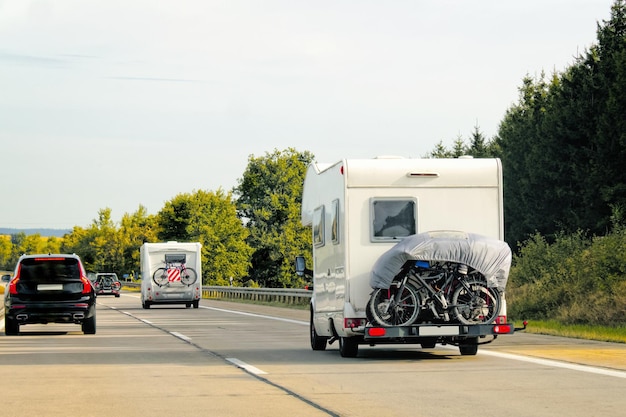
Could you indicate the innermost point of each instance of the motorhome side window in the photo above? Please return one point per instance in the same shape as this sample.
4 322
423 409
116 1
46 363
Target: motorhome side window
318 226
334 227
392 218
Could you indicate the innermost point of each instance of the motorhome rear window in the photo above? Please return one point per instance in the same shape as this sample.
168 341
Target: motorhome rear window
180 258
392 218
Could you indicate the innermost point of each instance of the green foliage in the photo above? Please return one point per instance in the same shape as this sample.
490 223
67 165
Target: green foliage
105 247
574 280
563 144
11 247
211 219
269 201
478 147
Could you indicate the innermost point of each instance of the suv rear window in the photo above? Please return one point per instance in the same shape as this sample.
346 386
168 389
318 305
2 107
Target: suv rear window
49 269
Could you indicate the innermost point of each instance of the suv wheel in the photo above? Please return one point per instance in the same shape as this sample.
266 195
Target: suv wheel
11 327
89 325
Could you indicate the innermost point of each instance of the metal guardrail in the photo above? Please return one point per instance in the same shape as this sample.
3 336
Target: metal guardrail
281 295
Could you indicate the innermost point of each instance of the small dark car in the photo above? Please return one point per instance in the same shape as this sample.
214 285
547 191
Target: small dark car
49 288
107 284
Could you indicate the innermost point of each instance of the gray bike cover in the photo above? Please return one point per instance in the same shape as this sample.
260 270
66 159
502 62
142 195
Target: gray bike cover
491 257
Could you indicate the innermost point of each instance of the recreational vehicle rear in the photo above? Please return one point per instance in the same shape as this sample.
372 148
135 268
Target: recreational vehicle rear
358 209
171 273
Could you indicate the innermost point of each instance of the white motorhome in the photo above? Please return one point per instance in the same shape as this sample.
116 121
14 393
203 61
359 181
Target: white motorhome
171 273
359 208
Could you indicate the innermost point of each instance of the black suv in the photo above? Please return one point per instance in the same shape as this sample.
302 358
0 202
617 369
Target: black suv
49 289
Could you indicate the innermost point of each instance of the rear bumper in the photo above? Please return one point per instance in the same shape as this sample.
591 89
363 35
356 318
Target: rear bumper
43 313
417 333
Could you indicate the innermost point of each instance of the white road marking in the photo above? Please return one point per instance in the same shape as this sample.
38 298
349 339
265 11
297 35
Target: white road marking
304 323
556 364
181 336
247 367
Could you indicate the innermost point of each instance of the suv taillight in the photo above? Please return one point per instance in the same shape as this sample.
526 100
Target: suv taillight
86 284
13 282
13 285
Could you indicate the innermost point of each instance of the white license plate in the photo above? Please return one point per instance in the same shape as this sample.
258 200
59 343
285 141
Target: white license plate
50 287
439 331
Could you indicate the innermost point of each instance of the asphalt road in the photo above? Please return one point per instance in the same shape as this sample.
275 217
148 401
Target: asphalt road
230 359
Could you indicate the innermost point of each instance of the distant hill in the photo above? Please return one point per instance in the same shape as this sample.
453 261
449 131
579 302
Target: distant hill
42 232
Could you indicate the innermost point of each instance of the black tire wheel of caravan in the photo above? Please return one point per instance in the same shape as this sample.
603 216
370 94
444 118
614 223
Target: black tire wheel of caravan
11 327
348 347
160 277
469 349
187 305
196 303
89 325
381 309
188 276
145 305
475 303
317 342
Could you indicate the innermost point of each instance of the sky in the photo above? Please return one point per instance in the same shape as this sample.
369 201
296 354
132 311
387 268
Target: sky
126 103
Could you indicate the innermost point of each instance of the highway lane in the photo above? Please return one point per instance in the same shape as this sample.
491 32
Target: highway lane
228 359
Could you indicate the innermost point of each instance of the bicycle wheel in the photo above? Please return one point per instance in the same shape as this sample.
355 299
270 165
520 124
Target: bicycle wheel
188 276
160 277
475 303
382 309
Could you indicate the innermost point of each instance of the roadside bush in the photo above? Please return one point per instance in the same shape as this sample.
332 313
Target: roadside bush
574 280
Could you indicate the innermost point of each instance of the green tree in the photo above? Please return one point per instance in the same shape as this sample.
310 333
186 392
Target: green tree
269 201
6 252
564 143
134 230
211 219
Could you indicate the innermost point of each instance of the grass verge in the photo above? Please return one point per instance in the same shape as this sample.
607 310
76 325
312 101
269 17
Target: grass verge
615 334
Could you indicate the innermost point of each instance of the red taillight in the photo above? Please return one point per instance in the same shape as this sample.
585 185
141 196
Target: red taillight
13 285
376 331
501 320
86 284
116 286
13 282
351 323
502 328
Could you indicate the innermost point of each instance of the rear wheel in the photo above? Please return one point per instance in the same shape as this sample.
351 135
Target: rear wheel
160 277
317 342
145 304
470 347
11 327
196 303
348 347
89 325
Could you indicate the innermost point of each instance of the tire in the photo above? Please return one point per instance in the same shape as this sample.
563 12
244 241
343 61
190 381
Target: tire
475 303
349 347
11 327
196 303
469 349
187 305
145 305
89 325
188 276
317 342
380 313
160 277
